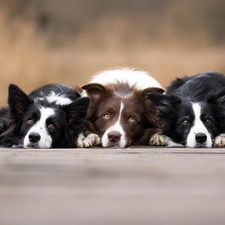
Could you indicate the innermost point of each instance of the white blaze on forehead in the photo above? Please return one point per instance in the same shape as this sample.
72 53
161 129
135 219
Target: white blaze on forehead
198 127
41 128
56 98
117 128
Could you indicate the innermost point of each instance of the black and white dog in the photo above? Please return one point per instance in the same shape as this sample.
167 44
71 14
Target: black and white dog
51 116
192 112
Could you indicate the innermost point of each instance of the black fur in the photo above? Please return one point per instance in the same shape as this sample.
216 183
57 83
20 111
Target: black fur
3 119
67 120
208 89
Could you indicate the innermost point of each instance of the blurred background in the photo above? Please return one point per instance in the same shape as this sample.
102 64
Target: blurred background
45 41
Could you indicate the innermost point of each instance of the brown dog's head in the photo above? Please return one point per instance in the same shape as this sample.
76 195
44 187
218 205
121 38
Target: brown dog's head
120 115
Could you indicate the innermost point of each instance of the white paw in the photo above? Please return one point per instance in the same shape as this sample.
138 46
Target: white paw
89 141
219 141
158 139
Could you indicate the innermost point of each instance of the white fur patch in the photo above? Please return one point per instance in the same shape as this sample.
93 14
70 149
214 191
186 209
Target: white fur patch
163 140
56 98
88 141
219 141
157 140
198 127
40 128
139 78
171 143
117 128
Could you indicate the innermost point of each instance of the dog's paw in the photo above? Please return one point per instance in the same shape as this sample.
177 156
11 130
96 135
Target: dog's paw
158 139
89 141
219 141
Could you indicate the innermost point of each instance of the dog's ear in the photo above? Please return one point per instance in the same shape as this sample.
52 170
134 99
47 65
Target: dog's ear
163 102
217 98
95 91
153 89
18 101
75 118
76 111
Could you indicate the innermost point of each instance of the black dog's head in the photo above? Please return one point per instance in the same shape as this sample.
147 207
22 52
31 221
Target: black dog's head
193 124
43 124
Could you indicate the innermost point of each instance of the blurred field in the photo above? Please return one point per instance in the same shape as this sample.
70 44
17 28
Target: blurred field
50 41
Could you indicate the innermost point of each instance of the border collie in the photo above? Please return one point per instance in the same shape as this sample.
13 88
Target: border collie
51 116
120 113
192 112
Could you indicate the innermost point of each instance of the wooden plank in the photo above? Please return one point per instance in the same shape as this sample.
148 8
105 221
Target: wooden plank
112 186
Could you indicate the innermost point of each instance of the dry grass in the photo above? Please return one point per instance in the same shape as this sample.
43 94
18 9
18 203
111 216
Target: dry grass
28 60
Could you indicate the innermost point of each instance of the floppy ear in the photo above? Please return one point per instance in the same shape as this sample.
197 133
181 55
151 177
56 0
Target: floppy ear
163 102
95 91
18 101
153 89
76 112
217 98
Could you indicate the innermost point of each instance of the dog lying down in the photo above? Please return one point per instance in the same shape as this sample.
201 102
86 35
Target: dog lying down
51 116
192 112
120 113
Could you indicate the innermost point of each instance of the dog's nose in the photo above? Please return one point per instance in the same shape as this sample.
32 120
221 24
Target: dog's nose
200 137
34 137
114 136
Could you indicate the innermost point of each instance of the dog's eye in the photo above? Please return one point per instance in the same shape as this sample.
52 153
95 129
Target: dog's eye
208 121
185 122
30 122
131 120
106 116
51 126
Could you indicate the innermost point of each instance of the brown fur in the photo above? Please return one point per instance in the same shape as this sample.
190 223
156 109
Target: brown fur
107 99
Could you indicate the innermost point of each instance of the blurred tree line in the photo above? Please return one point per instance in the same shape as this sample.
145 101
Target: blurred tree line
144 20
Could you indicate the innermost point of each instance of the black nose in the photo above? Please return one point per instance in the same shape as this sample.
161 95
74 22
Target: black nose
34 137
114 136
200 137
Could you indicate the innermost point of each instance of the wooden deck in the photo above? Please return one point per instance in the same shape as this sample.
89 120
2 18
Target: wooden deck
132 186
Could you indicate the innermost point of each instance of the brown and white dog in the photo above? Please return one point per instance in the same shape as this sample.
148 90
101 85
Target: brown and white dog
120 113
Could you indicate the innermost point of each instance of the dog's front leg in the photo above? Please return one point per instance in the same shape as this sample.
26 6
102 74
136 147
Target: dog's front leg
219 141
158 140
162 140
88 141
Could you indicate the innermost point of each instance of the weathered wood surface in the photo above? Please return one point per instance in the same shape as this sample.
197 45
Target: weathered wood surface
112 186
